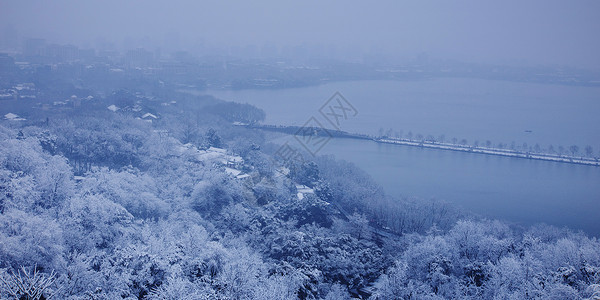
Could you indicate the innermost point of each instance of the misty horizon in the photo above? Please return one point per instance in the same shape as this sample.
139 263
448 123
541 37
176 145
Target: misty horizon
511 33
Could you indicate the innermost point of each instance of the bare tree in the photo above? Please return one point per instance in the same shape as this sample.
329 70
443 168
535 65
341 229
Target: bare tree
22 285
389 133
574 149
589 151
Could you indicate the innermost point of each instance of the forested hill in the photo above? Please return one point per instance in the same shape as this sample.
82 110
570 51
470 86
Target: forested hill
130 196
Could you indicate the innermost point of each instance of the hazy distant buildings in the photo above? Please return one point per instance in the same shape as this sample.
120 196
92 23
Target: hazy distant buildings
139 57
7 64
62 53
38 51
87 54
34 47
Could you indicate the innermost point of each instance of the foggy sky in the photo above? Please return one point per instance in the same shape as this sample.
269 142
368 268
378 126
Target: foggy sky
530 32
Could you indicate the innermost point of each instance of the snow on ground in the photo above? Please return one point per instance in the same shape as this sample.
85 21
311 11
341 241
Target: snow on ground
214 155
219 150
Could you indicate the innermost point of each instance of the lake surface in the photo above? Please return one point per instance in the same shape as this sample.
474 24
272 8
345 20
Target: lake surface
519 190
472 109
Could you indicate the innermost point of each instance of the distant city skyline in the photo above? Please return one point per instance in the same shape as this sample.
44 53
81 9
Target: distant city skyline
507 32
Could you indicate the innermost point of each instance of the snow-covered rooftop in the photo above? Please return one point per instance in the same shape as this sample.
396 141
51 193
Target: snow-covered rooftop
10 116
232 171
13 117
302 190
242 176
149 115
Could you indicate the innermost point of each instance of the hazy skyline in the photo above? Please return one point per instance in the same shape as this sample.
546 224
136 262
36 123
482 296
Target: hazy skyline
515 32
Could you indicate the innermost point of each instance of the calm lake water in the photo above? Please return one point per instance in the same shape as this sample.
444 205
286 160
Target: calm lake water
520 190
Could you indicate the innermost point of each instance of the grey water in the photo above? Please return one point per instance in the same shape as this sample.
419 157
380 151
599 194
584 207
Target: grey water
519 190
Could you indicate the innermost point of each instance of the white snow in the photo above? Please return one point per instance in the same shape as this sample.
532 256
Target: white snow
232 171
149 115
113 108
206 156
282 171
10 116
242 176
492 151
13 117
212 154
214 149
304 189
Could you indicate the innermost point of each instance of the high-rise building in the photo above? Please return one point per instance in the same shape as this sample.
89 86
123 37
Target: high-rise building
34 47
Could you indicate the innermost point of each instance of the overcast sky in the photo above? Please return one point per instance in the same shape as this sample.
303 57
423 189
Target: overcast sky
535 32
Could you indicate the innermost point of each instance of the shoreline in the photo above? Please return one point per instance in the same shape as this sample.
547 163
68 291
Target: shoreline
492 151
294 130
